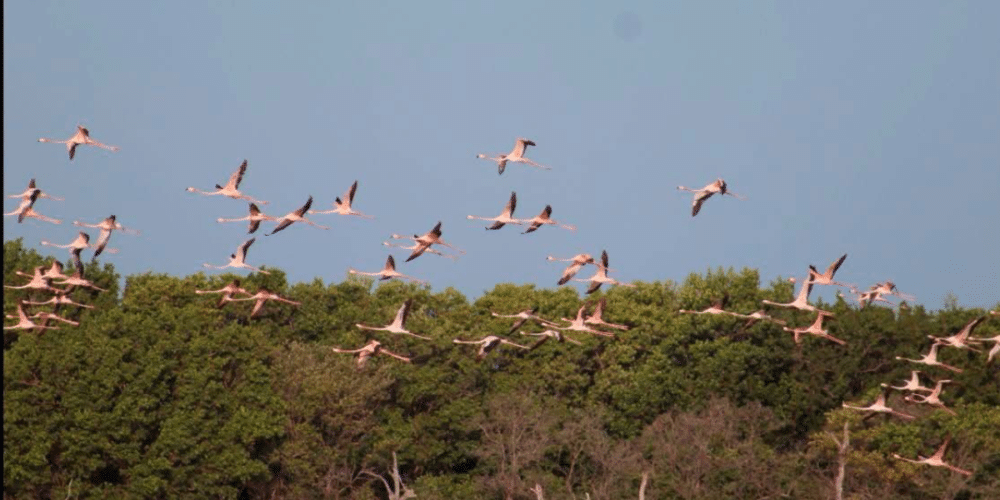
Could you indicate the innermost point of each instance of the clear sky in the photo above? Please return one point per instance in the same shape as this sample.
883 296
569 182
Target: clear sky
867 128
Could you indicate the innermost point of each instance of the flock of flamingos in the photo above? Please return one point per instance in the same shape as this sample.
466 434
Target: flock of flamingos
43 279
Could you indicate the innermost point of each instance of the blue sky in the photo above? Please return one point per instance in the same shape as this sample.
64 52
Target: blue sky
862 128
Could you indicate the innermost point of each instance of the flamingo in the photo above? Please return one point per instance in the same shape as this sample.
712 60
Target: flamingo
81 243
597 319
46 316
255 218
488 343
601 276
505 217
263 295
522 318
879 406
755 317
296 216
936 460
545 218
417 245
550 334
26 210
106 226
424 242
77 279
227 292
932 399
996 346
398 324
827 277
700 195
82 136
717 307
961 339
24 322
343 206
889 288
912 385
801 301
930 359
515 156
816 328
231 189
39 281
61 298
579 325
26 194
55 271
237 259
577 262
370 350
388 272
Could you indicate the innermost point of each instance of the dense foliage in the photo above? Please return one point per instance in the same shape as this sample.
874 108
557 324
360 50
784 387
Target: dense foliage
159 394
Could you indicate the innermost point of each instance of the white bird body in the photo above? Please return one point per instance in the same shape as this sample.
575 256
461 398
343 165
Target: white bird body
342 206
505 217
368 351
26 210
879 406
961 339
996 346
600 277
801 301
227 292
82 136
933 398
522 318
515 156
24 322
930 359
27 193
576 263
579 324
826 278
936 460
398 324
261 297
597 317
545 218
488 343
296 216
39 281
700 195
816 328
231 189
107 226
388 272
238 259
255 218
912 385
416 246
550 334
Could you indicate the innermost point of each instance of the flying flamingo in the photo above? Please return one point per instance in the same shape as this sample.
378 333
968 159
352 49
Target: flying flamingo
961 339
912 385
879 406
930 359
227 292
39 281
827 277
522 318
597 319
388 272
106 226
889 288
936 460
55 271
82 136
717 307
77 279
550 334
237 259
343 206
296 216
47 316
579 324
263 295
417 245
756 317
488 343
26 210
424 242
81 243
370 350
255 218
932 399
505 217
545 218
61 298
577 262
398 324
24 322
816 328
996 346
801 301
601 276
231 189
700 195
26 194
515 156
